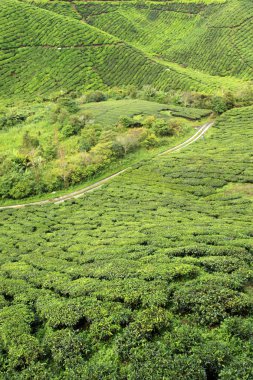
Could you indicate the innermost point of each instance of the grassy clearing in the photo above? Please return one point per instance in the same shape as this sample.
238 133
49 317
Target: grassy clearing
109 112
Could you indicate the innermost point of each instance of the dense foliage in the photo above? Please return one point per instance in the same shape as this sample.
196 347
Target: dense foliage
149 277
50 146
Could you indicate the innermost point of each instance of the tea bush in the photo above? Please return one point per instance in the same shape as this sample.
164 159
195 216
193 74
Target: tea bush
148 277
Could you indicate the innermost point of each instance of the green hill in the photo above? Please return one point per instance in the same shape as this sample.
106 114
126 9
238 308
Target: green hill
214 38
44 52
149 277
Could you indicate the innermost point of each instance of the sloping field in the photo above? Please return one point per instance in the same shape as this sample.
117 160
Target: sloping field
214 38
224 42
149 277
42 51
157 264
109 112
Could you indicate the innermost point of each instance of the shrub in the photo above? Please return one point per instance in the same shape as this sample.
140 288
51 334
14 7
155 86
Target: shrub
25 351
89 138
163 365
63 346
129 122
10 120
24 187
219 105
150 141
213 354
150 322
68 130
117 149
96 96
210 305
240 368
69 104
148 92
165 128
29 142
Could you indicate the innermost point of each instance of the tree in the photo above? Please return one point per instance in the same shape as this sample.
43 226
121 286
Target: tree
129 122
151 141
29 142
96 96
219 105
131 140
63 166
166 128
88 138
229 100
35 162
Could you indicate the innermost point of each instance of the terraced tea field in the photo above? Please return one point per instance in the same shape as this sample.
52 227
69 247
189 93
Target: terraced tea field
108 113
146 264
126 190
100 45
221 32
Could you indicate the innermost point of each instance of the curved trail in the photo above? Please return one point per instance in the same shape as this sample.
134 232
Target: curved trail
76 194
192 139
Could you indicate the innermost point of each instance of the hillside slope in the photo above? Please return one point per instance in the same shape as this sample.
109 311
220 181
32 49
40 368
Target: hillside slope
42 52
214 38
157 264
150 277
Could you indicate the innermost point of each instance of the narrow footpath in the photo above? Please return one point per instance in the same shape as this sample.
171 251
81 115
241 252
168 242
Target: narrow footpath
76 194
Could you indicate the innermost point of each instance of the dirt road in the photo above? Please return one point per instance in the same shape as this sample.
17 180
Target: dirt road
76 194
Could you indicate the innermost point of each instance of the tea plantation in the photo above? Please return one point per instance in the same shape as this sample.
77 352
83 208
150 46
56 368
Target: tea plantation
223 33
52 47
149 277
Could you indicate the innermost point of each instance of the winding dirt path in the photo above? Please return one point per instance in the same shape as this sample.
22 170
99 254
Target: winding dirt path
76 194
201 131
